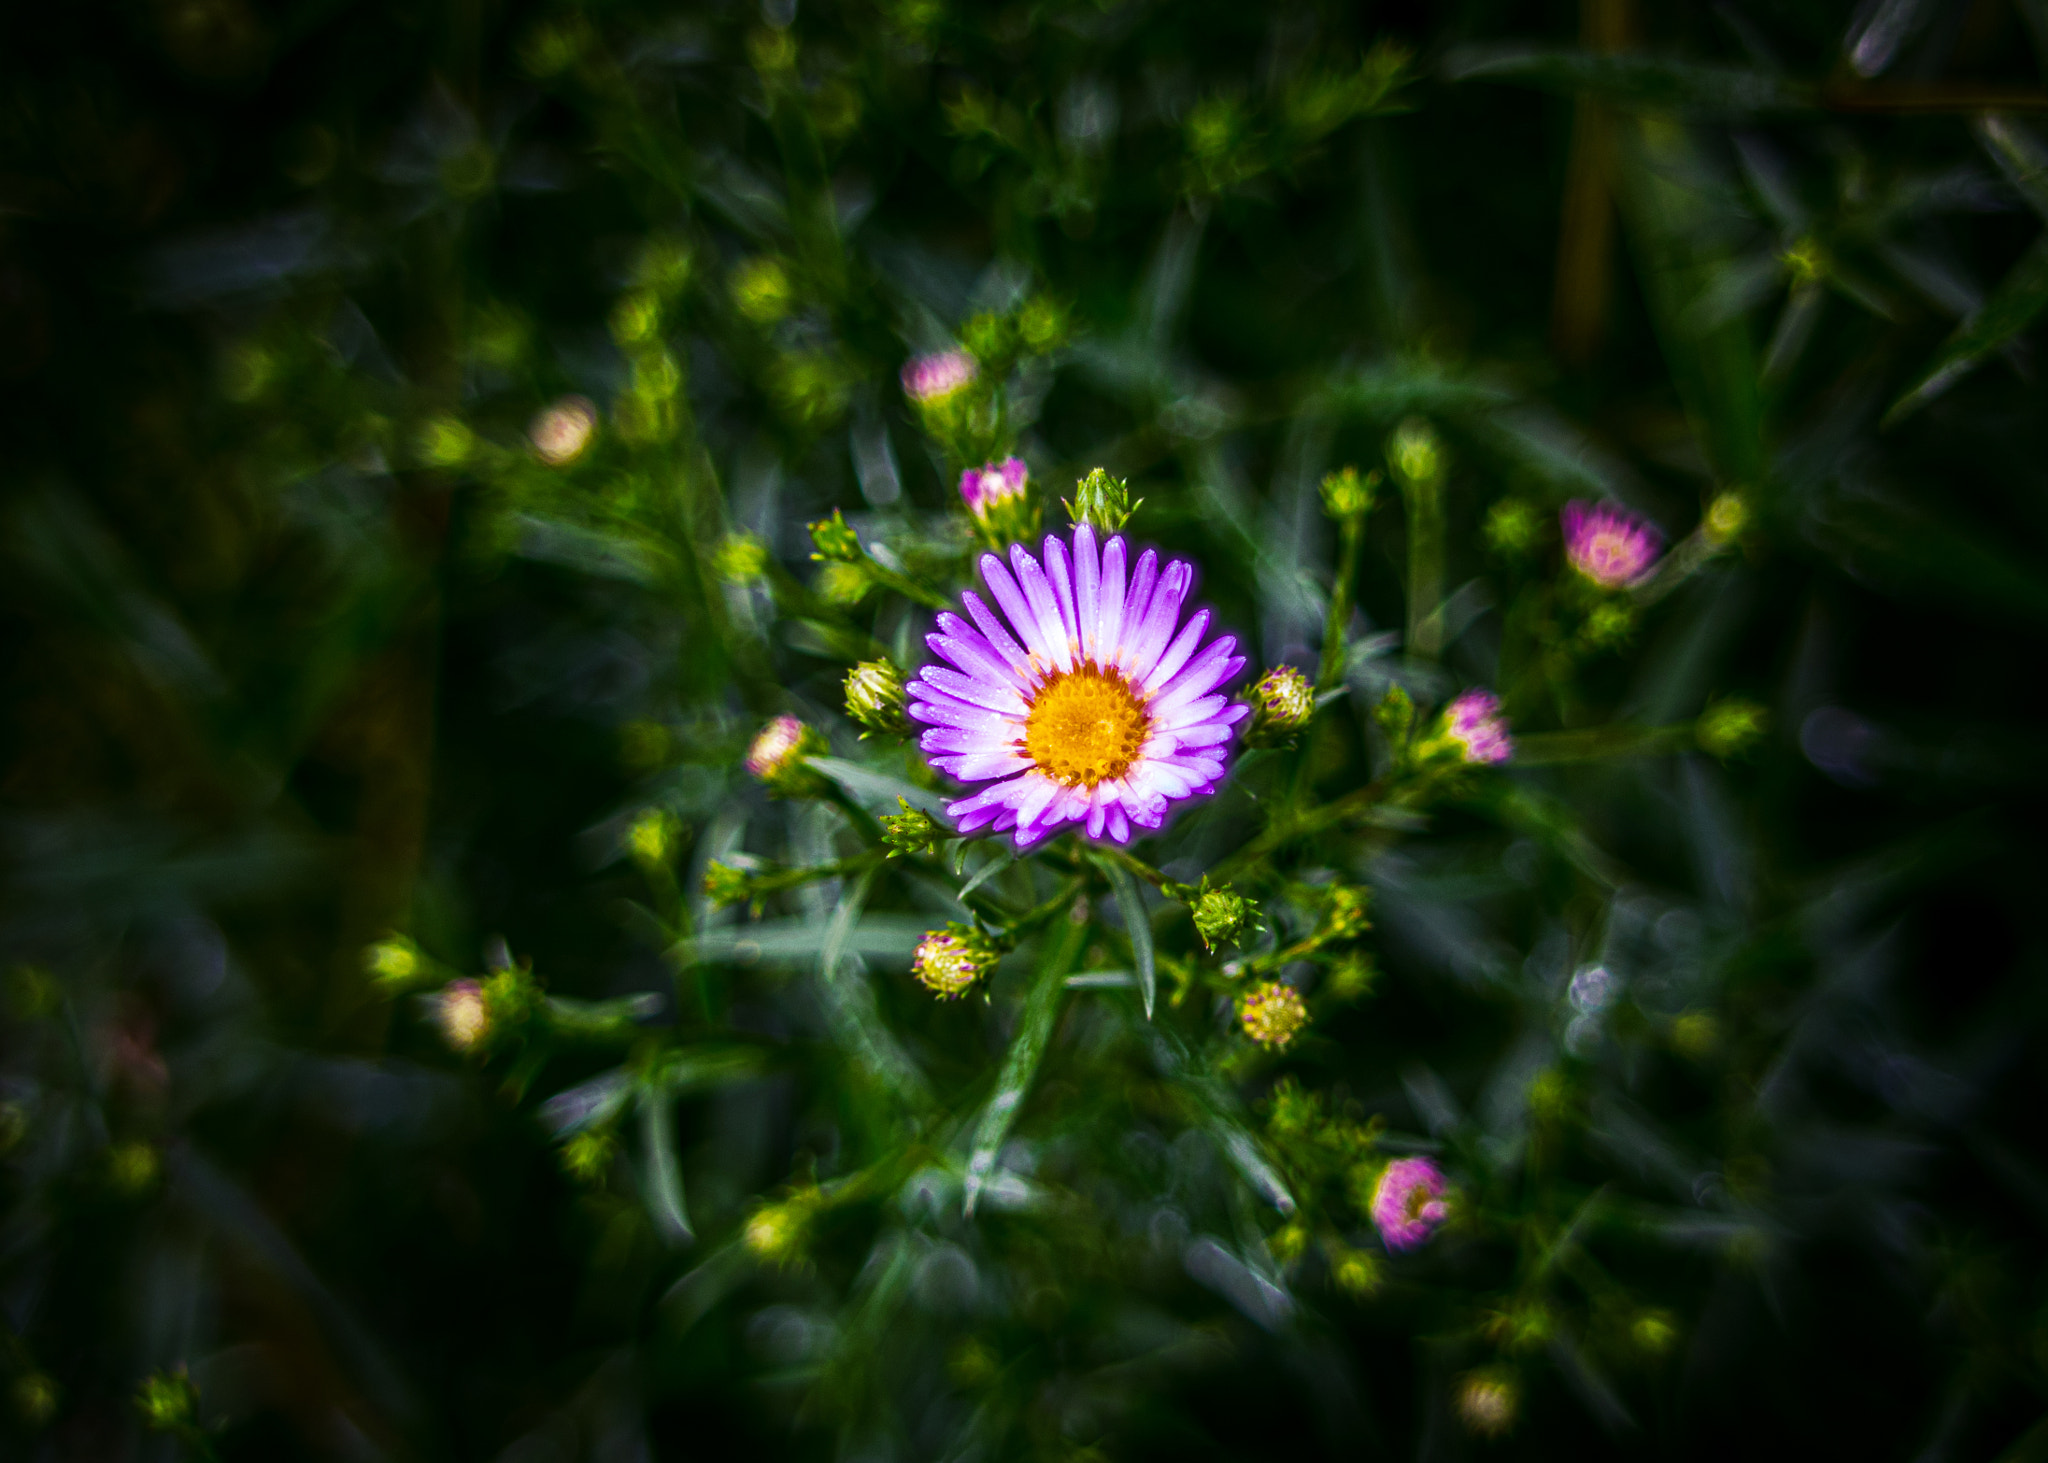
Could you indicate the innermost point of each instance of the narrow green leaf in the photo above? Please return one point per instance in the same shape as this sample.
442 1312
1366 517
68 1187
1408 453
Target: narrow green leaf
879 790
850 1007
1138 924
662 1169
1063 943
988 871
2019 298
1637 82
587 1104
879 937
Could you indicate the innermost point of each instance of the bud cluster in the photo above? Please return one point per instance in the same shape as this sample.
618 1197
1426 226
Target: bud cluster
1102 501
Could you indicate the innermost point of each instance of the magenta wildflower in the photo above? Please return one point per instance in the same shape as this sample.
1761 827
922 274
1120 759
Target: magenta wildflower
1408 1203
1086 706
984 488
1610 546
1474 722
929 380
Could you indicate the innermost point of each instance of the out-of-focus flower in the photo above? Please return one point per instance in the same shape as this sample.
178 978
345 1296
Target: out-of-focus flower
911 831
1347 495
1344 912
931 380
1092 710
1610 546
394 962
951 960
1272 1013
1473 721
1041 325
445 442
1102 501
463 1015
778 756
561 432
1282 700
133 1166
740 558
998 495
845 585
1487 1402
36 1396
874 697
1356 1273
1408 1202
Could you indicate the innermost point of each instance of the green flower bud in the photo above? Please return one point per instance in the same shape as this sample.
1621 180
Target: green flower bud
1415 453
1356 1273
845 585
446 442
1344 914
1102 501
836 542
1041 325
760 288
724 884
36 1396
1347 495
1221 914
874 697
779 1233
651 838
133 1167
740 558
1513 527
1283 700
1729 728
394 962
1611 623
168 1401
1727 516
587 1157
1396 715
911 831
951 960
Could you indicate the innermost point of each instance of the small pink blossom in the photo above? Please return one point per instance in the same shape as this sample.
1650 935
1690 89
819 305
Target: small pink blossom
1474 722
1408 1203
983 488
929 380
1610 546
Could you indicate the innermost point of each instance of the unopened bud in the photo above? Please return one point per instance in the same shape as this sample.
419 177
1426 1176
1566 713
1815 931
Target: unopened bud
651 837
931 381
1344 914
1512 527
779 757
1222 914
845 585
1415 453
1283 700
911 831
446 442
168 1401
951 960
1102 501
836 542
740 558
587 1157
1730 728
394 962
1347 495
1272 1013
778 1233
874 697
760 287
1727 516
724 884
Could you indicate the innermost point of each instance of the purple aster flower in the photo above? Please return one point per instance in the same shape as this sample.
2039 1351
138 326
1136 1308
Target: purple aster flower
1474 722
1609 545
984 488
929 380
1408 1203
1086 706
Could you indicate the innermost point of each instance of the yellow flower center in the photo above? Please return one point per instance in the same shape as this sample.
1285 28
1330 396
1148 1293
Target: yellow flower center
1086 726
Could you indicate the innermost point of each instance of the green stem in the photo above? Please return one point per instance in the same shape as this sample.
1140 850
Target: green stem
1352 534
1425 566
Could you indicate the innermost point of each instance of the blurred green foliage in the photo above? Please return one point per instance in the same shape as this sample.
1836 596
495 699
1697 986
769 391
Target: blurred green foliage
439 437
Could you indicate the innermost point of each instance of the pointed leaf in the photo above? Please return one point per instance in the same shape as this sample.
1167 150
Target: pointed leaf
1637 82
850 1007
662 1170
879 790
1137 924
988 871
2020 297
1063 943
